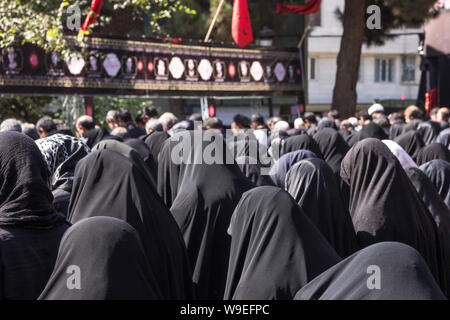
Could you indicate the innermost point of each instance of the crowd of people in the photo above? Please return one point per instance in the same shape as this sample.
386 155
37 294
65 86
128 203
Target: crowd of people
320 208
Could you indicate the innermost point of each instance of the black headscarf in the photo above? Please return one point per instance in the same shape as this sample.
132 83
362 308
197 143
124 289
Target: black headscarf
396 129
439 173
374 131
131 154
314 186
275 248
355 137
96 135
433 151
253 171
245 144
111 263
404 275
280 169
108 183
155 142
444 138
144 151
326 123
301 142
429 131
333 148
411 142
25 198
438 209
202 208
385 206
412 125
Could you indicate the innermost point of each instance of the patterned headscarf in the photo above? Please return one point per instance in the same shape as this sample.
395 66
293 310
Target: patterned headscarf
62 153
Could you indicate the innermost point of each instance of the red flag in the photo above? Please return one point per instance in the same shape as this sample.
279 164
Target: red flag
96 5
311 7
241 27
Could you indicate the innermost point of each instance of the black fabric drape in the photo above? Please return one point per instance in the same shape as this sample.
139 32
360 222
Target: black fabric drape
438 209
439 173
313 185
385 206
245 144
411 142
98 134
301 142
333 148
429 131
396 129
374 131
25 198
129 153
108 183
412 125
30 229
109 262
155 142
275 248
144 151
433 151
253 171
444 138
203 207
355 137
404 275
280 169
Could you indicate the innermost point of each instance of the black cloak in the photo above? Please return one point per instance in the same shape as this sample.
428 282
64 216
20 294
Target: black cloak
433 151
333 148
62 153
280 169
30 229
144 151
444 138
404 275
108 183
396 129
275 248
438 209
245 144
111 263
384 204
155 142
374 131
96 135
355 137
301 142
202 208
429 131
253 171
411 142
314 186
439 173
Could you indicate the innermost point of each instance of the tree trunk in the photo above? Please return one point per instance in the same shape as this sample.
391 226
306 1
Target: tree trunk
344 94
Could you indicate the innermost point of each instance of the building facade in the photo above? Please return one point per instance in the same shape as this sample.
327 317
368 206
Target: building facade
389 72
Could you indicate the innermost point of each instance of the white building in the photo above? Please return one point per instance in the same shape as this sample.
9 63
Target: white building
388 72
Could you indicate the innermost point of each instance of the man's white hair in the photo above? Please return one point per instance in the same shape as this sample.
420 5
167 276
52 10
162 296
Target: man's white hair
299 123
11 125
282 126
168 119
153 125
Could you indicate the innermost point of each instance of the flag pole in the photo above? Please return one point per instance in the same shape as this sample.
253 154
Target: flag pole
213 22
305 33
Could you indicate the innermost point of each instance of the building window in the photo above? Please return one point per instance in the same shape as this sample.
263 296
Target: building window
408 68
384 70
313 68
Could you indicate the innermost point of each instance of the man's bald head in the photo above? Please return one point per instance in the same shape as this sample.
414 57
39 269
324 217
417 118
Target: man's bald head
83 125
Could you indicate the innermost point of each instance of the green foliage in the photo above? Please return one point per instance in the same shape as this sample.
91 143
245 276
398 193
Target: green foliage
102 104
43 22
26 109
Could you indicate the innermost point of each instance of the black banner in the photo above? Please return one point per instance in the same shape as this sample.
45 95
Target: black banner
129 67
